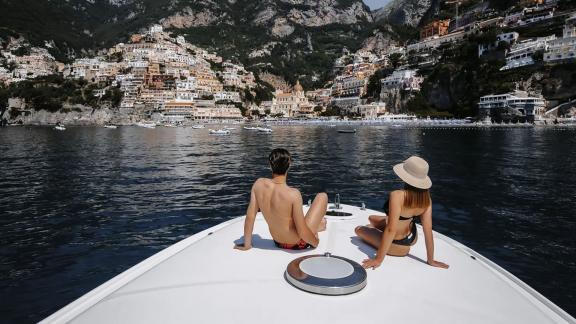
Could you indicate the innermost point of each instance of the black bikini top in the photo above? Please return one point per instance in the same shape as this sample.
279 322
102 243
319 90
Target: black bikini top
386 208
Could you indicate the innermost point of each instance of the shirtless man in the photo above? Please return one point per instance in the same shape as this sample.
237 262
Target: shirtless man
282 209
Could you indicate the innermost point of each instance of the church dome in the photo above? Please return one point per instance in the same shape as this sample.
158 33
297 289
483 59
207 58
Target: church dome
298 87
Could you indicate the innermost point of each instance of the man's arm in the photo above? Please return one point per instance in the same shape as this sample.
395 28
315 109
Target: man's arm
249 221
301 227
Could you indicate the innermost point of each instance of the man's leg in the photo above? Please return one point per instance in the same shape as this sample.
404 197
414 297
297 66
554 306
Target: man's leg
315 215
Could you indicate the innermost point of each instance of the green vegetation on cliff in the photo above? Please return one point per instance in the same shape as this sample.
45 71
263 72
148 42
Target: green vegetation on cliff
51 92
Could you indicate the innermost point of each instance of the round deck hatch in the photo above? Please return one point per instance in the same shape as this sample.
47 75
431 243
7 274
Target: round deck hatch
326 274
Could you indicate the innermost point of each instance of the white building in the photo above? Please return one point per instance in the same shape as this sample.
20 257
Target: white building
522 53
564 48
371 111
227 95
518 102
155 29
436 41
510 38
402 79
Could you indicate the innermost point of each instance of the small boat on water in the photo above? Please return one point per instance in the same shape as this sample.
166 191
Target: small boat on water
347 131
229 128
198 126
265 130
60 127
146 124
110 126
204 280
251 128
219 132
170 125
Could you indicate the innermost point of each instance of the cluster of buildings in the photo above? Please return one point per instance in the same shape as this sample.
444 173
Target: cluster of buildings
161 74
35 62
552 49
352 74
350 84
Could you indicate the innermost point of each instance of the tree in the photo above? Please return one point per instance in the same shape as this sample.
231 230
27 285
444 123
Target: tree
395 59
374 85
538 56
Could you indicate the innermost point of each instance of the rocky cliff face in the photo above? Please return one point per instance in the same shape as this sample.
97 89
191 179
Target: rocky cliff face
297 39
404 12
76 115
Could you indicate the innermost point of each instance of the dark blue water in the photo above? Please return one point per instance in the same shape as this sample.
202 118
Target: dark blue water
80 206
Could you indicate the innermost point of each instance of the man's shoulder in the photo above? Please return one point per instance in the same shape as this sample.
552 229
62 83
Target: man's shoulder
261 181
294 193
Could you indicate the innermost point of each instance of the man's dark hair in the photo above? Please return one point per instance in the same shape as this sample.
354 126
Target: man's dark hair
279 161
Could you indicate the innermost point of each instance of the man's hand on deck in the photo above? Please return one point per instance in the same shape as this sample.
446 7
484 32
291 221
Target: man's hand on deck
242 247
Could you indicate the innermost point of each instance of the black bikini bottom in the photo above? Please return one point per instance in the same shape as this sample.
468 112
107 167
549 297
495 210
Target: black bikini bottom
410 238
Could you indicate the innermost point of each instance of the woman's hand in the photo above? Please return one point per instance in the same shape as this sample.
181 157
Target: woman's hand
371 263
438 264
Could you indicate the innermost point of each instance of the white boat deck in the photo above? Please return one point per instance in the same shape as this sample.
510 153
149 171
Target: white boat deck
204 280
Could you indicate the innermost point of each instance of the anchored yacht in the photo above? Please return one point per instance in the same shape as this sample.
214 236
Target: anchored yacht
202 279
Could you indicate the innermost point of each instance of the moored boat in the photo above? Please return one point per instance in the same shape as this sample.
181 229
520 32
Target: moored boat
198 126
60 127
219 132
146 124
264 130
347 131
110 126
203 279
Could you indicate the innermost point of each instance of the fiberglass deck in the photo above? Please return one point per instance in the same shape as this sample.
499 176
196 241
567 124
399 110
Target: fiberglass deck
203 280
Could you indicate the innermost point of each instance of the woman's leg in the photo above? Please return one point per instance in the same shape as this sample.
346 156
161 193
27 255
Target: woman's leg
315 215
377 221
373 237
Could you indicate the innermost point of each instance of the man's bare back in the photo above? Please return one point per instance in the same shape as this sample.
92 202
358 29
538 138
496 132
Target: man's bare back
281 206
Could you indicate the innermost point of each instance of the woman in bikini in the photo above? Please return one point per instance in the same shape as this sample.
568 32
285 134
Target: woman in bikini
395 233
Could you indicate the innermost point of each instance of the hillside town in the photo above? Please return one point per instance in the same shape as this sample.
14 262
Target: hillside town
163 77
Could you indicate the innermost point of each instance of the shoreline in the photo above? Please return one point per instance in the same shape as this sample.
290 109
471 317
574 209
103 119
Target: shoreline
327 124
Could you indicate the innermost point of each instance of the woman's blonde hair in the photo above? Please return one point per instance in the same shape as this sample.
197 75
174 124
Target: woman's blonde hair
416 198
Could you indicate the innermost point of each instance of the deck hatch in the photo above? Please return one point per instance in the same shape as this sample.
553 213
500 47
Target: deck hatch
326 274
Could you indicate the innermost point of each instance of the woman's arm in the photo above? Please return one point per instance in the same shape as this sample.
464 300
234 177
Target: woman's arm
426 219
396 202
249 221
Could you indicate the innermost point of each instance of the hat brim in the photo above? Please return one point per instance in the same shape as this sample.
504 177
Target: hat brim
410 179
